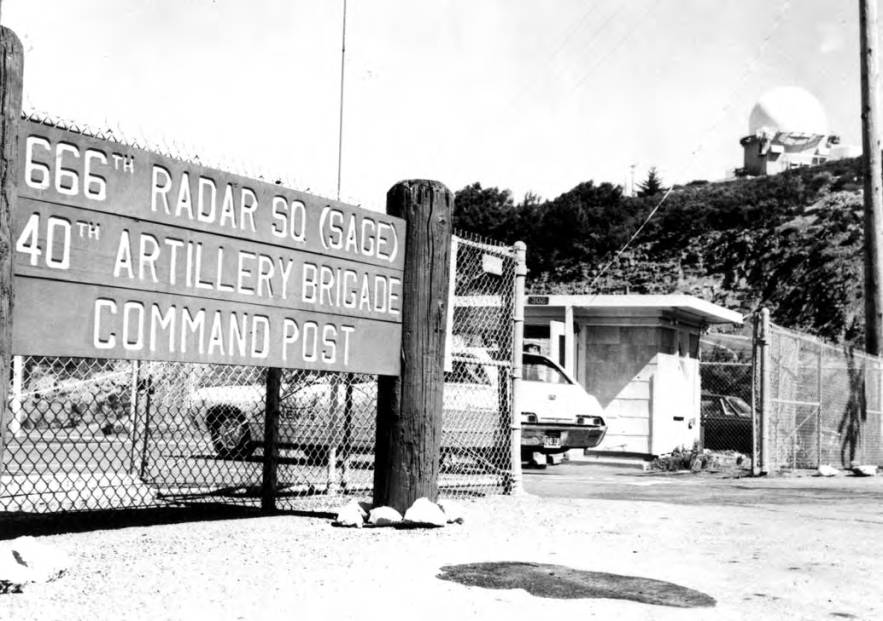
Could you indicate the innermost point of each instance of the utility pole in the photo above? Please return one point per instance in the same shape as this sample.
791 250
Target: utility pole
873 176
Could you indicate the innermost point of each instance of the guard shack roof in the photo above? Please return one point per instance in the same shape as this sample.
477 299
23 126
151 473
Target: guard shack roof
686 307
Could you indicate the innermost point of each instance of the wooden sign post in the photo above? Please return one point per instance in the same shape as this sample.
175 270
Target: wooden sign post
11 67
409 407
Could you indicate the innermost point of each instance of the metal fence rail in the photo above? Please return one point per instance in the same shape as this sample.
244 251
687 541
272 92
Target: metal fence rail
105 434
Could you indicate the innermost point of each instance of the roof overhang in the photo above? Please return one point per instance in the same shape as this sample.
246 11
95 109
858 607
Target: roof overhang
687 306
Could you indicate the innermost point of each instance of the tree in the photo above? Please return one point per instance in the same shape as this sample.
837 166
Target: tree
486 211
653 184
574 228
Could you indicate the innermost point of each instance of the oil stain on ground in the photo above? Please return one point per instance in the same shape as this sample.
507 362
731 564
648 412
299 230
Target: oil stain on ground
560 582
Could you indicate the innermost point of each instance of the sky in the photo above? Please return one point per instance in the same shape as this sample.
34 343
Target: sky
528 95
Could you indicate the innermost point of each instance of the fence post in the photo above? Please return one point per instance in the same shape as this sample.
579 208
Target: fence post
11 69
755 395
409 407
765 396
516 486
271 434
14 429
133 413
147 386
346 442
819 419
334 419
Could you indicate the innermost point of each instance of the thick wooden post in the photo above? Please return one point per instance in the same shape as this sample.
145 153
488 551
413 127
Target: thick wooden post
271 445
11 68
409 408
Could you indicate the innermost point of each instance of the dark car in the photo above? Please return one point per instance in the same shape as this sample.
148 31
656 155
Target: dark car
726 423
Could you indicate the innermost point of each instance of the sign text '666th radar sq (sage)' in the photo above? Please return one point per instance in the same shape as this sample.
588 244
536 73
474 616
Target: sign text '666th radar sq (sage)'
126 253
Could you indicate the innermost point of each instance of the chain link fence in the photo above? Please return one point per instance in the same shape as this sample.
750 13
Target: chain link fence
824 403
805 402
87 434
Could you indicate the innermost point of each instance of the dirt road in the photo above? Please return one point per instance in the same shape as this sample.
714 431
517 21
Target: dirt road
731 549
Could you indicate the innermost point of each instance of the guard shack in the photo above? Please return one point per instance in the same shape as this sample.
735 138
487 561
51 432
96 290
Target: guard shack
638 354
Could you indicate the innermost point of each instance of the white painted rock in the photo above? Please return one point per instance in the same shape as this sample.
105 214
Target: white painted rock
453 511
426 513
827 471
24 560
351 514
864 470
384 516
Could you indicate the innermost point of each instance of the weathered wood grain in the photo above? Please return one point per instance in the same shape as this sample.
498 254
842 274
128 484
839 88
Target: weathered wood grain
11 71
409 407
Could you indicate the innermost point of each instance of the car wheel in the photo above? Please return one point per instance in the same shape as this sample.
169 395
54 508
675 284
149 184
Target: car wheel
229 433
530 460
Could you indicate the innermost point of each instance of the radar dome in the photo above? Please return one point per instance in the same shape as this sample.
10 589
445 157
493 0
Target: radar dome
789 109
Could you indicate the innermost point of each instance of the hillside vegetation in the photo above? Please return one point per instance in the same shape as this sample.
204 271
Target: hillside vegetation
791 242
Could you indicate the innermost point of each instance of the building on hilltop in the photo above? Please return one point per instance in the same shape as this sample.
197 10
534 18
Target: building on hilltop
788 129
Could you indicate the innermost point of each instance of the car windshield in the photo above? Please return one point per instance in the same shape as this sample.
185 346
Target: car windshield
537 369
737 407
725 405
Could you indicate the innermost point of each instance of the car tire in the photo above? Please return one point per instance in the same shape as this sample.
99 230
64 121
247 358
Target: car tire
228 429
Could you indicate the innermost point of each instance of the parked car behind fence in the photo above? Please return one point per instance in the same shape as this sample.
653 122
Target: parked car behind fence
726 423
325 412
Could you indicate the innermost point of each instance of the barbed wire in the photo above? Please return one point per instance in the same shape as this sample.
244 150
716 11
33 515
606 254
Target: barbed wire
175 149
749 68
477 240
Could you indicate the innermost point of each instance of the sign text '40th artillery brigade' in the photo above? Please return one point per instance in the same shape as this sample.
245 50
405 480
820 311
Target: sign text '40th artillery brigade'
125 253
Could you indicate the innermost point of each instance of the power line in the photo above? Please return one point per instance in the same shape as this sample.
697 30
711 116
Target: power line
623 39
631 239
340 121
749 68
564 41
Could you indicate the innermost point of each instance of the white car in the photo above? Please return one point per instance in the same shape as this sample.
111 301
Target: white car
557 414
322 412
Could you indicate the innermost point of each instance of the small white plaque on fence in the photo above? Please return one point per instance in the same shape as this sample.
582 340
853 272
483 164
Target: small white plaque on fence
492 264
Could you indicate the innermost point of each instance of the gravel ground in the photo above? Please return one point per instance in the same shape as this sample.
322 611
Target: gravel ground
758 562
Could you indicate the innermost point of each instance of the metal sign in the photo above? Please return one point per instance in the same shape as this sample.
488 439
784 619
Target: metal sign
126 253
